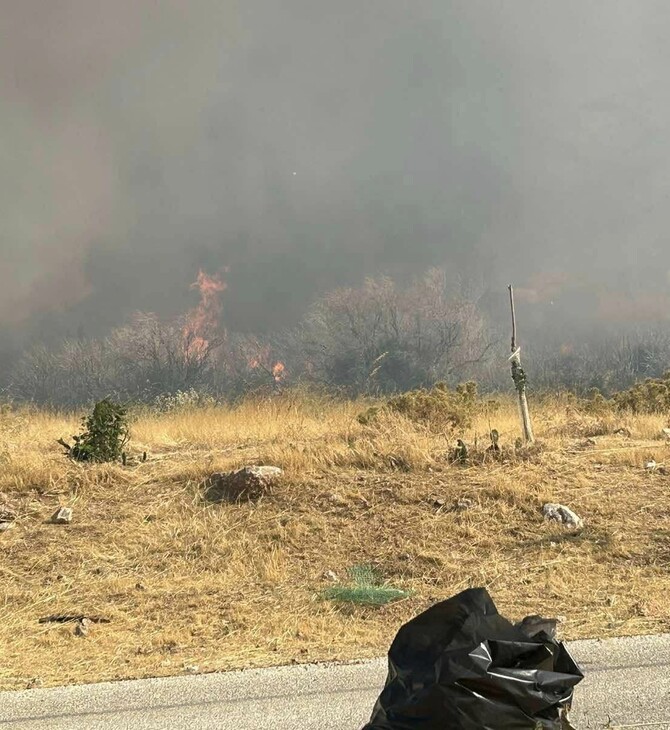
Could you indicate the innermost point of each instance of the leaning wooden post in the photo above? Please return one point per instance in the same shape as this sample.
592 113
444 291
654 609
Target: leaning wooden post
519 378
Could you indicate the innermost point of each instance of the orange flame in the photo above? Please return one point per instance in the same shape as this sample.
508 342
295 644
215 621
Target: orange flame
202 320
278 371
262 359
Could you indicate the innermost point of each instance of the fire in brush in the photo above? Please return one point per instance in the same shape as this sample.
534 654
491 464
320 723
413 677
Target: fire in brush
278 371
203 321
263 360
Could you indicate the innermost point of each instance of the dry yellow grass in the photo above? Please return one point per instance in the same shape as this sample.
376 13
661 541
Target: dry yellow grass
185 582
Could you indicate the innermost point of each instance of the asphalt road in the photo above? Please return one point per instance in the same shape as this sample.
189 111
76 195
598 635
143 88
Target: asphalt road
627 685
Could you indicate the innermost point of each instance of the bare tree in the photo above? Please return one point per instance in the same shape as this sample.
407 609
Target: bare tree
155 357
382 337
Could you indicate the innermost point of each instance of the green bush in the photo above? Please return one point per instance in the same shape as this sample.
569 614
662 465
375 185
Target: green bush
595 403
649 396
438 408
366 588
105 433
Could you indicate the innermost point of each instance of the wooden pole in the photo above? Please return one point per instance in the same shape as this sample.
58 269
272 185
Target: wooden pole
519 378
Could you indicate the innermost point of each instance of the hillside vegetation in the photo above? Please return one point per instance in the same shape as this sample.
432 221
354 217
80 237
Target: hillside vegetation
189 583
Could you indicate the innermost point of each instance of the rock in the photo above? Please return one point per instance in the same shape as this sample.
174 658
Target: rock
62 516
83 627
625 432
653 466
34 683
4 526
564 515
464 504
666 433
249 483
330 575
192 669
438 503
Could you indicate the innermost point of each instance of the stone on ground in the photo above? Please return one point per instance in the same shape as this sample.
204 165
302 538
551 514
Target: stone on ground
246 484
62 516
562 514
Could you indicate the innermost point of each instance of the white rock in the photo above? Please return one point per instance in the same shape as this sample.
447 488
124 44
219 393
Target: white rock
83 626
562 514
4 526
62 516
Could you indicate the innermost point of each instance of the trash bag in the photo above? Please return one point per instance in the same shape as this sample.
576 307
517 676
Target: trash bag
462 666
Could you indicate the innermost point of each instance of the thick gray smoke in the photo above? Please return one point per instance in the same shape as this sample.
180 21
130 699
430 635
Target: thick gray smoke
306 144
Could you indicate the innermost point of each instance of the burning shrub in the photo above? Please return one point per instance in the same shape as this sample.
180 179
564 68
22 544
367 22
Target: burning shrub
155 357
104 436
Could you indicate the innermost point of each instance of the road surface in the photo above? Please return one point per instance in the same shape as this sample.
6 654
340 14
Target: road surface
627 685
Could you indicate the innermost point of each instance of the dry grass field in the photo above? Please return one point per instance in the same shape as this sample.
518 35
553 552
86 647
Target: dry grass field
188 583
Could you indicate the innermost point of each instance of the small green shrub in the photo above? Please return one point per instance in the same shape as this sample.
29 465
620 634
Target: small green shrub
438 408
105 433
596 404
649 396
365 588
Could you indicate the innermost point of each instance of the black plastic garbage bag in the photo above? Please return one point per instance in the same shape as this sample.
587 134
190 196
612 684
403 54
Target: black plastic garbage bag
462 666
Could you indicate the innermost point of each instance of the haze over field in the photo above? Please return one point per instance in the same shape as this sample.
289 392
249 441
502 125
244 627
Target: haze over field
306 145
279 233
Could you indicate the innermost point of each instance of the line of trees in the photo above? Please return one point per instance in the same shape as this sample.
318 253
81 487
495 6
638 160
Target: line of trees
382 337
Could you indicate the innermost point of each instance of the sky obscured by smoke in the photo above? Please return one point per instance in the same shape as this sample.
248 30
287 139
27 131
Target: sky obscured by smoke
307 144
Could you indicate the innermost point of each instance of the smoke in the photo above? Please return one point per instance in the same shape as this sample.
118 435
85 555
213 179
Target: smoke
304 145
